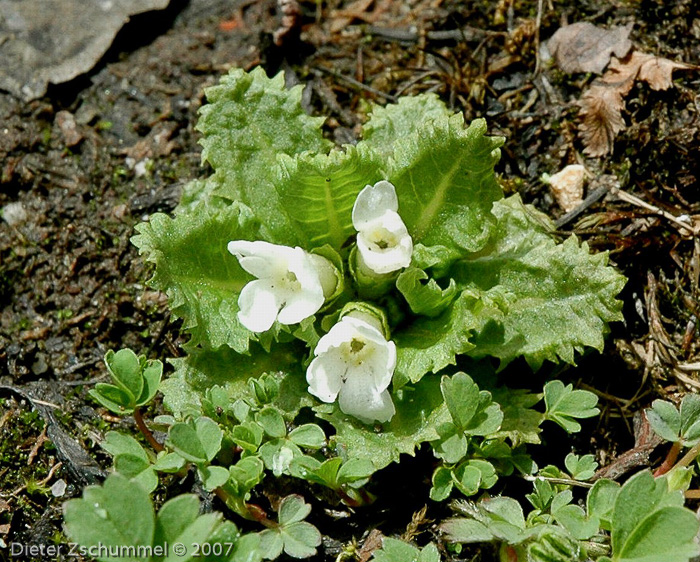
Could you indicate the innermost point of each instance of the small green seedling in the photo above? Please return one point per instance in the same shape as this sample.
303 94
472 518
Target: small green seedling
135 379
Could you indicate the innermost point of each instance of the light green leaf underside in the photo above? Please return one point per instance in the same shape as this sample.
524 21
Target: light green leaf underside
445 183
388 126
201 278
560 297
204 369
419 410
318 193
251 120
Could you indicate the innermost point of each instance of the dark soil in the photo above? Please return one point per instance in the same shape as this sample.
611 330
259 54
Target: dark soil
81 166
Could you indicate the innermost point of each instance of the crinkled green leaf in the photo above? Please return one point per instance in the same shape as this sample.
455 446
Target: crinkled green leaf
388 126
318 193
564 404
201 278
444 179
117 513
205 369
249 121
427 345
419 410
560 297
426 298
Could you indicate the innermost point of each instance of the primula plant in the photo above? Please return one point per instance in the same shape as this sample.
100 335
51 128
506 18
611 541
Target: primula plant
346 305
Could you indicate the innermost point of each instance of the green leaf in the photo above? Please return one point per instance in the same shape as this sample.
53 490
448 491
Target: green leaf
581 468
125 368
318 193
213 476
564 404
197 533
183 439
272 422
442 484
428 345
118 513
271 543
388 126
690 419
472 410
555 298
419 410
113 398
462 530
428 299
554 545
251 120
665 420
521 423
202 370
174 517
152 374
169 463
194 268
601 500
649 524
354 470
210 435
116 444
394 550
443 174
293 508
301 539
308 435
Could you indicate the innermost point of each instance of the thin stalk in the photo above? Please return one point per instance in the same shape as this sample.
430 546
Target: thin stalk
670 459
157 447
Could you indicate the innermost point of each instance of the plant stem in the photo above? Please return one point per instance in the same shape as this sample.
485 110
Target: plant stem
157 447
689 457
670 459
249 511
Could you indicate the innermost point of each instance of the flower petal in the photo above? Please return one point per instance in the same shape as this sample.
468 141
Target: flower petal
325 376
258 306
300 305
385 244
358 398
260 258
372 202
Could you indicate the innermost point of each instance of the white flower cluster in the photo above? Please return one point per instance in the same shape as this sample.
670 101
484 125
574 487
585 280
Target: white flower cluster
353 362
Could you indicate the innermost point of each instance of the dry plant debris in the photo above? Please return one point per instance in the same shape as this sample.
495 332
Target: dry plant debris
567 186
583 47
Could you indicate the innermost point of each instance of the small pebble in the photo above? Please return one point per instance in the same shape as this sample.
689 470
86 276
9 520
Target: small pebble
14 214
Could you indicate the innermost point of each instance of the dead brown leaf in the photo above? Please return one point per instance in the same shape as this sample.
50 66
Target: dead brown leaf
583 47
602 104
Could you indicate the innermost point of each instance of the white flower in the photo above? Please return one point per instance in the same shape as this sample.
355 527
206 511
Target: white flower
383 242
354 363
291 284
